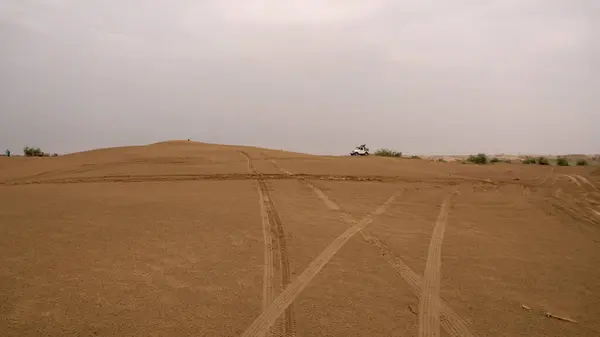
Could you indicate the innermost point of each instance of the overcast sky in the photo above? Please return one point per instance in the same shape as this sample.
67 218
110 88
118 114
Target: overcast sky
316 76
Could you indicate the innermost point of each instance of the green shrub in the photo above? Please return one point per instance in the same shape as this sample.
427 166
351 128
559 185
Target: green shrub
582 162
562 161
500 160
479 158
388 153
529 160
32 151
542 161
415 157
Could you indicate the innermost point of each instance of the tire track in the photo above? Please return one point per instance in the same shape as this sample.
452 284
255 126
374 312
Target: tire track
429 302
282 254
135 178
274 234
585 209
249 160
573 179
281 168
269 258
268 293
569 206
450 320
268 317
121 178
586 181
312 186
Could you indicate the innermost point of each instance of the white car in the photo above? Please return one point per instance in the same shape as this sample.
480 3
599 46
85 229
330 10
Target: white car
362 150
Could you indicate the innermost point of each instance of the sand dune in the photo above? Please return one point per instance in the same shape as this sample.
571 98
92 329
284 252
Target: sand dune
183 238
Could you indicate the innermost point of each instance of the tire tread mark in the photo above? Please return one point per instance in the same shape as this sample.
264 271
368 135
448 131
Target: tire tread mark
312 186
284 262
586 181
450 320
268 258
573 179
281 168
135 178
274 234
269 253
249 160
266 319
429 301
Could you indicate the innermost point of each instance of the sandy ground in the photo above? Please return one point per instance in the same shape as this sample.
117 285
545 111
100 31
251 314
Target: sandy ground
184 238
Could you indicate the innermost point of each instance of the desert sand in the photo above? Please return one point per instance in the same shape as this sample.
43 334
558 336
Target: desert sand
189 239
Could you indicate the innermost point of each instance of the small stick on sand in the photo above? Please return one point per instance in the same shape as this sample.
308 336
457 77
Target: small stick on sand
560 318
411 309
525 307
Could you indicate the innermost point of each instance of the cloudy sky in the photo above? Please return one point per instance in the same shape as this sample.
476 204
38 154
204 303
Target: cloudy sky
316 76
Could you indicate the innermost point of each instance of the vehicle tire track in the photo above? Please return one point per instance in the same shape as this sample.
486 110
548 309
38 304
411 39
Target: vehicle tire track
586 181
268 293
282 253
135 178
274 235
573 179
249 160
429 301
450 320
312 186
129 178
268 317
281 168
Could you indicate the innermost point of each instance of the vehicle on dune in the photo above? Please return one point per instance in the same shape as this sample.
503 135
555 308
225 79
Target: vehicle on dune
361 150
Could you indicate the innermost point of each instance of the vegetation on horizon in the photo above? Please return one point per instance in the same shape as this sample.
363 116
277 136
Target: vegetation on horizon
542 161
36 152
480 159
539 160
562 161
33 152
387 153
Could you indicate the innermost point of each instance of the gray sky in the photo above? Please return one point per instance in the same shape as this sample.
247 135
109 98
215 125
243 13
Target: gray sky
317 76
